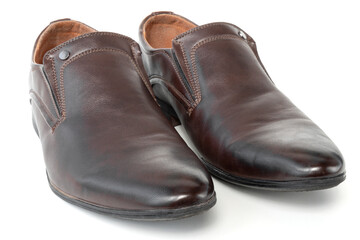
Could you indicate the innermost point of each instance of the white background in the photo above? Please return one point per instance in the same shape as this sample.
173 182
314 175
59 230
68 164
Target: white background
311 50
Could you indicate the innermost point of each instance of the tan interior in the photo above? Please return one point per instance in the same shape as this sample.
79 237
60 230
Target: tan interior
57 33
160 30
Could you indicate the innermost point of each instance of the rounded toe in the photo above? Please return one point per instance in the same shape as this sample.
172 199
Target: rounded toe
324 167
195 190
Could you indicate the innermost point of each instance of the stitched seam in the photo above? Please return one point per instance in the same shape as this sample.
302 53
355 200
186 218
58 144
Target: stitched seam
173 65
62 91
194 84
52 59
38 99
85 36
189 72
187 68
54 79
36 106
200 28
57 124
200 44
178 93
50 93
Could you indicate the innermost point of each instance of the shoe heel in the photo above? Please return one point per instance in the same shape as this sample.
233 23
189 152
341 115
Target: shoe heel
169 112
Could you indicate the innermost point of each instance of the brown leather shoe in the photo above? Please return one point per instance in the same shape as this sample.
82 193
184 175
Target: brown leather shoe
107 145
211 79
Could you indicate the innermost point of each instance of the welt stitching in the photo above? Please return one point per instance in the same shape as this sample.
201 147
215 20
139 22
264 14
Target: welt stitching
85 36
44 106
50 94
62 91
178 93
173 65
197 46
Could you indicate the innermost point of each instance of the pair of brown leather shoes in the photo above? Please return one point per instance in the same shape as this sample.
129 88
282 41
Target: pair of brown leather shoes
108 147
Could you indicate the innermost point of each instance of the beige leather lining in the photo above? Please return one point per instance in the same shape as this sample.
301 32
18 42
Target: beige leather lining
160 30
57 33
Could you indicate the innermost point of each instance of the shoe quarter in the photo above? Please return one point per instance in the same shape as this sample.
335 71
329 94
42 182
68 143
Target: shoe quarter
42 96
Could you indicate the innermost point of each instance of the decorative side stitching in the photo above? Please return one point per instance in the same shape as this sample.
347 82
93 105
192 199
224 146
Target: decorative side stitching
202 27
174 67
194 84
62 101
85 36
50 93
47 111
54 79
41 113
52 59
200 44
187 68
57 124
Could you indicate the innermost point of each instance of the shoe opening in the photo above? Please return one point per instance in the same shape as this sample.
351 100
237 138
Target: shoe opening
57 33
160 30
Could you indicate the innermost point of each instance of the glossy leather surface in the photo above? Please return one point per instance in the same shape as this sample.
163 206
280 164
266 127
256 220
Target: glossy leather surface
236 117
104 138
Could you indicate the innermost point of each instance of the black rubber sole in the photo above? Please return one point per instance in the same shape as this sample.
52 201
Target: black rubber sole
310 184
142 215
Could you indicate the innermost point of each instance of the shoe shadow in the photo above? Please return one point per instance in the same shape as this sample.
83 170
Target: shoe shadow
304 199
184 225
238 197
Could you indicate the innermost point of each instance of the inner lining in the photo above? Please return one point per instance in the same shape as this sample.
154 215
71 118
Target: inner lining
57 33
160 30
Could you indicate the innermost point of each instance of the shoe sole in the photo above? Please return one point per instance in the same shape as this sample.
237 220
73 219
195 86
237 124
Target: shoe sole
310 184
142 215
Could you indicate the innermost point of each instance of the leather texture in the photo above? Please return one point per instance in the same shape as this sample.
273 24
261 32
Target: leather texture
241 124
104 138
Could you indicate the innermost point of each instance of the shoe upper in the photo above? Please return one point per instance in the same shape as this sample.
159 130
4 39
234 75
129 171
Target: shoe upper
104 138
236 117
